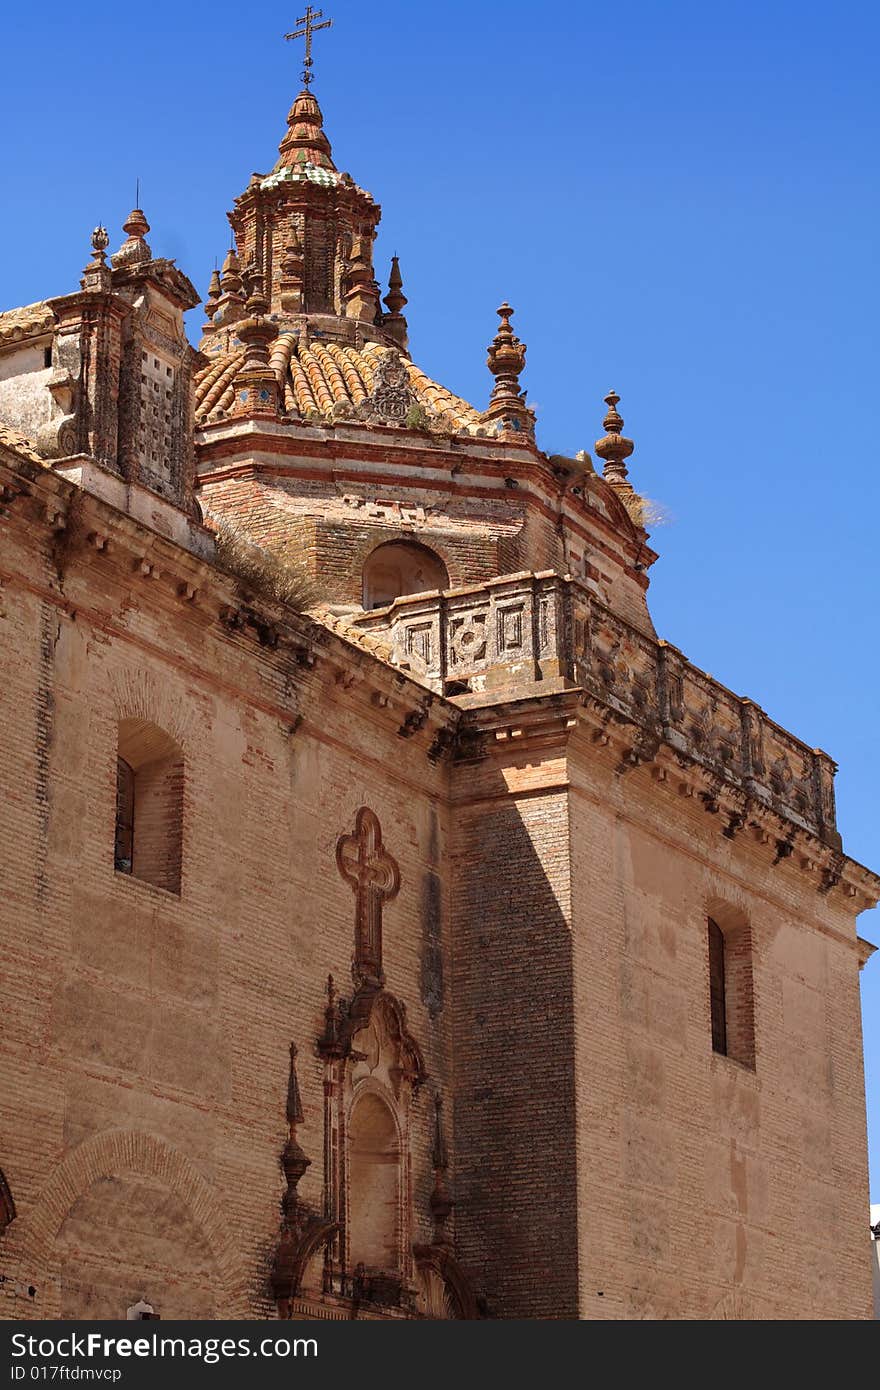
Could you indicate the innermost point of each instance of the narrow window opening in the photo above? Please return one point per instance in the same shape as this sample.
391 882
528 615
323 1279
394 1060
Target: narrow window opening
47 356
149 805
731 988
124 847
716 988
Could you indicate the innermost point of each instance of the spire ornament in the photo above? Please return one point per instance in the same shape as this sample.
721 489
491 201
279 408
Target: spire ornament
96 275
293 1160
255 382
507 358
292 266
302 1231
230 279
214 291
309 27
229 307
613 447
330 1045
394 300
100 241
133 251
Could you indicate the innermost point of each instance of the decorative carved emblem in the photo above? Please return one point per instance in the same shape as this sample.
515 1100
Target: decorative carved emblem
373 874
510 631
468 638
418 644
392 397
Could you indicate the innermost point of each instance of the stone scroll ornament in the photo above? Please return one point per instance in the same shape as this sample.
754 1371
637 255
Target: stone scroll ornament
375 878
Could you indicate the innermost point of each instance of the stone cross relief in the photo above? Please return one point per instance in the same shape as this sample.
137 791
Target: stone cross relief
374 876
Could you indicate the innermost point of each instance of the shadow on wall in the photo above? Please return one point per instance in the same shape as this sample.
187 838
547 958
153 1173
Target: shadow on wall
515 1172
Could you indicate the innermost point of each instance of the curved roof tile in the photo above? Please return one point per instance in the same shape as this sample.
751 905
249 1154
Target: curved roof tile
328 380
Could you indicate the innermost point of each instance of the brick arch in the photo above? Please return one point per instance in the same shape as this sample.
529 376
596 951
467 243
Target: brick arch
438 542
408 557
137 694
113 1154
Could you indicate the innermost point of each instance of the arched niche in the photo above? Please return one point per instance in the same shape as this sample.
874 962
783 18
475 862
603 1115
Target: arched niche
398 568
374 1168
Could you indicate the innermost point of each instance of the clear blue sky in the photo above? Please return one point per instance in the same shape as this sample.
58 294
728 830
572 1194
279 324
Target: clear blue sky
680 200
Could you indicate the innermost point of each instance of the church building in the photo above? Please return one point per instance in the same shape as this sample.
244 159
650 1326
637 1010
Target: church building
393 925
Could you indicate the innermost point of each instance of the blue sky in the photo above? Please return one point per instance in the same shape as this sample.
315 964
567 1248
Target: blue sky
679 199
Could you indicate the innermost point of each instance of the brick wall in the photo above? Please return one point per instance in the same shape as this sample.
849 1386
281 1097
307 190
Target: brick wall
515 1159
146 1034
548 941
707 1188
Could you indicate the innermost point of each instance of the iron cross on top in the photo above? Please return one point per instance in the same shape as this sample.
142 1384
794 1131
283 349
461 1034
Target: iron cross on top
309 27
365 863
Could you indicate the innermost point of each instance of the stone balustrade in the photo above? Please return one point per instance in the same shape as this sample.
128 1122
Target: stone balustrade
541 633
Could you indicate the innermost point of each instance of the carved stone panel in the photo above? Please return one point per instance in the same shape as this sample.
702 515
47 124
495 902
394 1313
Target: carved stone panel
391 397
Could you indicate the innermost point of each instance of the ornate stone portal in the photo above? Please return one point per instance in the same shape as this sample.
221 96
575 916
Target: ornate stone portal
357 1256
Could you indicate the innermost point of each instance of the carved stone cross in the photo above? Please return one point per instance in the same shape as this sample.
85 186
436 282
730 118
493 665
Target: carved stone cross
375 878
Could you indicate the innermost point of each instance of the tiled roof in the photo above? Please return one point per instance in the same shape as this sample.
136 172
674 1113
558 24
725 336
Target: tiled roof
368 641
329 381
326 177
11 439
25 322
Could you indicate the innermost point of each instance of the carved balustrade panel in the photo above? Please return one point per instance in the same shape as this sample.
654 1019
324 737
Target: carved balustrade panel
616 663
711 721
417 638
524 629
790 775
492 634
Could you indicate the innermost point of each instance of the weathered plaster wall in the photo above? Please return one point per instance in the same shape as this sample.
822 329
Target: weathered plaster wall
25 401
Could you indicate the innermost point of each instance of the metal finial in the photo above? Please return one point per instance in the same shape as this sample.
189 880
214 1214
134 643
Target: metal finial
309 27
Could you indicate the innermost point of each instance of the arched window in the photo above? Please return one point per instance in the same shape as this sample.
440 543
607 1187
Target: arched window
374 1187
398 568
149 805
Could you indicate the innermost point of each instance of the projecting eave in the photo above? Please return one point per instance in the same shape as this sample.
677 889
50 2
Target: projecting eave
765 827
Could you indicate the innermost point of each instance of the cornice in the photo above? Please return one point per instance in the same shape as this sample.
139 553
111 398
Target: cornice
79 528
